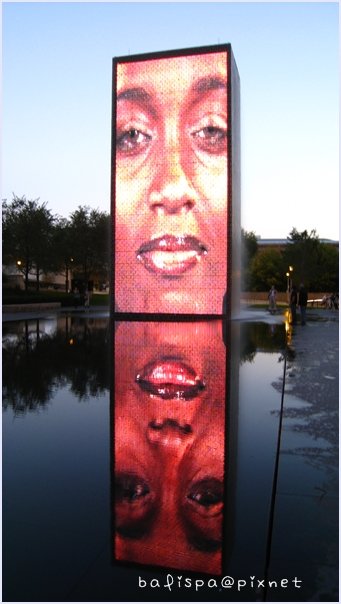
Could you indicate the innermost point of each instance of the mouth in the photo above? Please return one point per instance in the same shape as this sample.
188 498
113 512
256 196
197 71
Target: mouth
170 378
171 255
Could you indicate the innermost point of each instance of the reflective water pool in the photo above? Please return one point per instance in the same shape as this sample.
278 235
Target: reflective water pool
67 425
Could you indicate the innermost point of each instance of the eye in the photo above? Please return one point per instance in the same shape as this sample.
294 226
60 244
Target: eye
130 488
202 511
207 493
211 139
135 505
132 141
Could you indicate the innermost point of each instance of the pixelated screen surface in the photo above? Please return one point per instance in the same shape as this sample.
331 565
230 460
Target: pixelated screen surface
170 192
169 443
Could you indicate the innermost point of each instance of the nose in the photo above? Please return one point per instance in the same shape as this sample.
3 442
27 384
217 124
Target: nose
172 191
169 433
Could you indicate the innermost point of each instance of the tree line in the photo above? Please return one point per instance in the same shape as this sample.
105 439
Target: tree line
39 242
314 263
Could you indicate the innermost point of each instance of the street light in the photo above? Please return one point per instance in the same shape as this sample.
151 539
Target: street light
291 270
289 280
67 268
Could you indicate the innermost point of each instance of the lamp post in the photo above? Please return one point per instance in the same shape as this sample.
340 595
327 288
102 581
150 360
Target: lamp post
291 270
288 275
67 269
21 271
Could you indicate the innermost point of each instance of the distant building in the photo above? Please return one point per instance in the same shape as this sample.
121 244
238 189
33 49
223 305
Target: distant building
280 244
15 278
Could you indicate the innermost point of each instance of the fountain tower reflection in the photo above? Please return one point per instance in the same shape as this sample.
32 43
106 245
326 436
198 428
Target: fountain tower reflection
169 416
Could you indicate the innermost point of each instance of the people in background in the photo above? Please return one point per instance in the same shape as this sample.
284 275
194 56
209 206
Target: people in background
293 304
302 302
272 297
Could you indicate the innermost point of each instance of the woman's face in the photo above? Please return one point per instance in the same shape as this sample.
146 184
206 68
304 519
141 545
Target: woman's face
169 444
171 185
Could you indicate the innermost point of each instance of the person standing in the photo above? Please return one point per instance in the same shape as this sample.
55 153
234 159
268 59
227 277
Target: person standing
293 304
86 299
302 302
272 300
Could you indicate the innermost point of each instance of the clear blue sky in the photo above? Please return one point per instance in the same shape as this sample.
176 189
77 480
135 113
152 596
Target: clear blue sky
57 62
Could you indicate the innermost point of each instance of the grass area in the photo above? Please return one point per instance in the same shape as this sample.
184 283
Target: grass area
99 300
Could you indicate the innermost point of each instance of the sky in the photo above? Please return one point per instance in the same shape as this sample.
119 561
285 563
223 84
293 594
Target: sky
56 100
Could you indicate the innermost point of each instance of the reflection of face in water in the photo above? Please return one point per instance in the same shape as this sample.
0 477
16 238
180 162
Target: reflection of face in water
171 184
169 444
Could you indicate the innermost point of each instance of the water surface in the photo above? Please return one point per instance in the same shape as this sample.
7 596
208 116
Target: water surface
58 513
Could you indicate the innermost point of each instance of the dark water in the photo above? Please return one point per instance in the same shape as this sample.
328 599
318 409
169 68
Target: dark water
58 520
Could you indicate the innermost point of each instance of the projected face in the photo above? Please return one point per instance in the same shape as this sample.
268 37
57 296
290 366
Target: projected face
169 445
171 185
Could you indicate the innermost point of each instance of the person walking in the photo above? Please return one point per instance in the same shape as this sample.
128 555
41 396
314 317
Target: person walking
293 304
302 302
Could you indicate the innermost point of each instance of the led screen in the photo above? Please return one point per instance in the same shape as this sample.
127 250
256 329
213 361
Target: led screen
171 174
169 444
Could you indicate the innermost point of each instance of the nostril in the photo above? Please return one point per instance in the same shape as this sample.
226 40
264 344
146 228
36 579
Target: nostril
157 205
158 208
188 205
170 424
155 425
169 433
171 206
169 202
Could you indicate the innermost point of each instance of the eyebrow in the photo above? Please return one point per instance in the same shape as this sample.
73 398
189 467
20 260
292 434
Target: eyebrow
134 94
202 85
209 83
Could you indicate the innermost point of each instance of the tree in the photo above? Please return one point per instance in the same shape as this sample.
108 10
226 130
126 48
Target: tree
249 250
302 252
327 270
62 259
27 227
266 269
90 247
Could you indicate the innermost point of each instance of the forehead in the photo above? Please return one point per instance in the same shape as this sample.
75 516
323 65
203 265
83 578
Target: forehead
168 72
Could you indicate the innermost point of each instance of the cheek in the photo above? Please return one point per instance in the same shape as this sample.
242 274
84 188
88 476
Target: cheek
124 234
131 212
120 548
131 194
211 184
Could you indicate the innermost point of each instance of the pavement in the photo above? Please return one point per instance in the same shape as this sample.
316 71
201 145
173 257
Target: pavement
305 533
313 359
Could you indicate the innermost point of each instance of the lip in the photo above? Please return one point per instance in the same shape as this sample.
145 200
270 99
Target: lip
170 378
171 255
